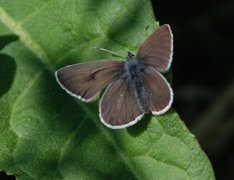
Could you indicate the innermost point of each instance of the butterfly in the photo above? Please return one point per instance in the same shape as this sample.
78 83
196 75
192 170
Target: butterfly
132 88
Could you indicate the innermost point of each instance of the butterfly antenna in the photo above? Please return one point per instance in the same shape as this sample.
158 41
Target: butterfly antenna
111 52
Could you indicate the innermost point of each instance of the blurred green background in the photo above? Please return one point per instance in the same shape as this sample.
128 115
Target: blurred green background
203 74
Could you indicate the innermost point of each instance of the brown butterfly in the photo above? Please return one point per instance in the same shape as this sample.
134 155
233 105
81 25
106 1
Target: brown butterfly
133 88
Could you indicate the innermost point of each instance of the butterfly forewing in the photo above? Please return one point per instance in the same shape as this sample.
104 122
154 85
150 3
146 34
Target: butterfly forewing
86 80
118 106
157 50
160 92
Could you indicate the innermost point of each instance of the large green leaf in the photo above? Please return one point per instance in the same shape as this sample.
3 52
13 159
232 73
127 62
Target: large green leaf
47 134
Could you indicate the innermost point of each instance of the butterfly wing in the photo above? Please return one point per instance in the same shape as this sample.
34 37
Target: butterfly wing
157 50
118 107
160 92
86 80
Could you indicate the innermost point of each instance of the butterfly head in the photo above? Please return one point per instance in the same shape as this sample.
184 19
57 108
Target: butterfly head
133 68
130 55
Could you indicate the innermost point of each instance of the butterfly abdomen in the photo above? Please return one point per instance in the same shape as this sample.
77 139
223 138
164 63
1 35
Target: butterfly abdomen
142 94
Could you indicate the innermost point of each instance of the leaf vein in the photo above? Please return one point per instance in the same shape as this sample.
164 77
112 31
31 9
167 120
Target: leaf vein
23 93
34 13
17 28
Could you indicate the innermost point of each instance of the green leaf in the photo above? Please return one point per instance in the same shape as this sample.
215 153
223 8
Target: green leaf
47 134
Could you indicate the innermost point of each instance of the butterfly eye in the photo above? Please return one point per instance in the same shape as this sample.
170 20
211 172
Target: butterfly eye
130 55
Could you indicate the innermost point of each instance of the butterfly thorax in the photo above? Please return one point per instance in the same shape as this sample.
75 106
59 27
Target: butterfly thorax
134 74
133 68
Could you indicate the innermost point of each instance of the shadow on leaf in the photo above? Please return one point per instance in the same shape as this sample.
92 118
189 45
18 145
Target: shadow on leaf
7 69
6 39
125 29
140 127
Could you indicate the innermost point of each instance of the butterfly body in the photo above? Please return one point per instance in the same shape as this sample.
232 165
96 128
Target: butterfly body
134 75
133 88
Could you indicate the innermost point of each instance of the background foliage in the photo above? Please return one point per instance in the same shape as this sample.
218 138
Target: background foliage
203 71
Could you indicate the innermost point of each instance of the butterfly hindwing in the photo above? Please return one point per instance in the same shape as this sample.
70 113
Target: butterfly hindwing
86 80
157 49
160 92
118 107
